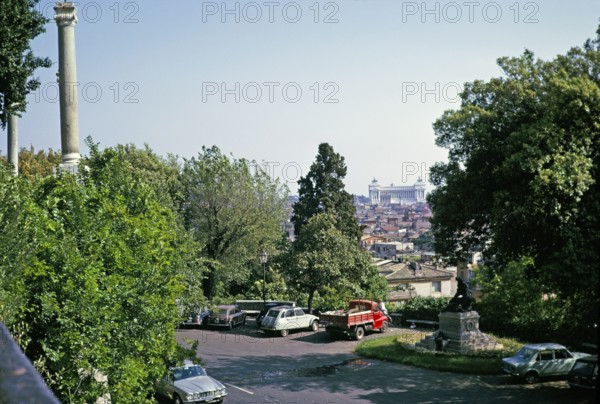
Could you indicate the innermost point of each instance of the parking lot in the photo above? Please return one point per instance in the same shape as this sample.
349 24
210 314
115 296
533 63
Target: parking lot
309 367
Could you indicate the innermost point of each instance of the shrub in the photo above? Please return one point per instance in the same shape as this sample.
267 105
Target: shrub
422 308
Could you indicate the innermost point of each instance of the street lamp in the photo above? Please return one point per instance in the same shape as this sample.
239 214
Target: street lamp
263 260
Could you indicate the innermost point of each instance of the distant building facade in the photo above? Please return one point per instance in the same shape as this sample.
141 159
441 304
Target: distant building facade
408 280
402 195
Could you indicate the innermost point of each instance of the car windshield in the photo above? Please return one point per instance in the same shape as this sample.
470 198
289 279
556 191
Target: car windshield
525 353
273 313
188 372
223 312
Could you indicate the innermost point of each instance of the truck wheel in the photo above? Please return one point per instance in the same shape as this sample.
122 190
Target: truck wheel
359 333
314 326
384 327
284 332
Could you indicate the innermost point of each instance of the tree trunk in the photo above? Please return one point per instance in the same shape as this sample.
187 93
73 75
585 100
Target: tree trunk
209 283
311 294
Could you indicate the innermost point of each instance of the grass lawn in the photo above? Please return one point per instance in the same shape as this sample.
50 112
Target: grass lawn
400 349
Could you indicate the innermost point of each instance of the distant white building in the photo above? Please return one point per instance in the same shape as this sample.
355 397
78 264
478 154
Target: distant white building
403 195
391 250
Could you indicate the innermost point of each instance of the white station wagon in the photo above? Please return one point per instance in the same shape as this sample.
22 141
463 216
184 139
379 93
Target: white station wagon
282 319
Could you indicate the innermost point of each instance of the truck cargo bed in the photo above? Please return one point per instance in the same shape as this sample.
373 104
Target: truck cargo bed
344 319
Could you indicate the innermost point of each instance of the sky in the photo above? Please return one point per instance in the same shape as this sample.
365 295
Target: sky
271 80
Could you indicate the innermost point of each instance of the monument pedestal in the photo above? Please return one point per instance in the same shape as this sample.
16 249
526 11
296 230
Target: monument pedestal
459 333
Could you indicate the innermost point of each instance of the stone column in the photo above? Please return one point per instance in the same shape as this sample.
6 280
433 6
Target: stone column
66 18
13 142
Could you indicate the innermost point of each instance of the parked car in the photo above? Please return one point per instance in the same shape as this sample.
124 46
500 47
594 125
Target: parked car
197 316
584 374
264 312
539 360
268 307
227 315
190 384
282 319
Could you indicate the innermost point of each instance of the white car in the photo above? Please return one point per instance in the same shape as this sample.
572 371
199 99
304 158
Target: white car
286 318
538 360
190 384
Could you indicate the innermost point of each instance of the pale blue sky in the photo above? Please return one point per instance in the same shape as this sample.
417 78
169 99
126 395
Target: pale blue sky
392 68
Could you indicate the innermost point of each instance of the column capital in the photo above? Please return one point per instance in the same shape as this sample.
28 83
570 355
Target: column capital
66 14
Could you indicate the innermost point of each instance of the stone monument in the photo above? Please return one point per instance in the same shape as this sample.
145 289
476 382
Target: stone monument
66 18
459 327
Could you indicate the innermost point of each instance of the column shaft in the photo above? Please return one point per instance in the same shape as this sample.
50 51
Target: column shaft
66 19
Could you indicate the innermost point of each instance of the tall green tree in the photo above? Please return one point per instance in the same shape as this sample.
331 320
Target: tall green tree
322 191
325 260
162 175
15 251
522 175
20 22
98 285
234 210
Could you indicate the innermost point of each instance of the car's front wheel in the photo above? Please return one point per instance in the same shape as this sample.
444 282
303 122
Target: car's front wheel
177 399
314 326
531 377
284 332
384 327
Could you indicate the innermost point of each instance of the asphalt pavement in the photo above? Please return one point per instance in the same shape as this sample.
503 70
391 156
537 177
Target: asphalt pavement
310 367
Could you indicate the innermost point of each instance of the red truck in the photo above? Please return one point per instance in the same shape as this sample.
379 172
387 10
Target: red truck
362 316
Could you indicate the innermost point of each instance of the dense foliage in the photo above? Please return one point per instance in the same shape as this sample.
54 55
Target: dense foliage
15 253
516 306
90 265
162 176
422 308
234 210
522 177
36 163
324 259
20 22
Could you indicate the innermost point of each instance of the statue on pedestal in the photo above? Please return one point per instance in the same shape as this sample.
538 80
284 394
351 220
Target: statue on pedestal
462 300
